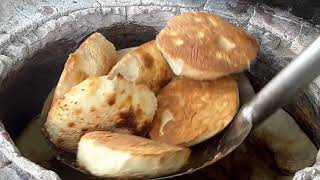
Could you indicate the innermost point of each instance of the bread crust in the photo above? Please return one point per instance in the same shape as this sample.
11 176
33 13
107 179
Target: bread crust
94 57
106 154
190 111
132 144
99 103
123 52
204 46
144 65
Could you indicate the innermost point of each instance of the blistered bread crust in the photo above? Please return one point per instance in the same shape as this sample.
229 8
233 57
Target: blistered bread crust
99 103
144 65
190 111
124 156
203 46
94 57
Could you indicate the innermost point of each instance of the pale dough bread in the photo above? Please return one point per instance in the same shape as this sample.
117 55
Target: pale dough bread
106 154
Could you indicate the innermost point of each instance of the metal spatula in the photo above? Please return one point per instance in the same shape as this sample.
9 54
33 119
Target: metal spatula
277 93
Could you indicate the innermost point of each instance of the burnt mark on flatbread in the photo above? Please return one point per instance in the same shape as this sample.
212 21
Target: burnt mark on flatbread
146 58
71 124
111 100
127 119
119 76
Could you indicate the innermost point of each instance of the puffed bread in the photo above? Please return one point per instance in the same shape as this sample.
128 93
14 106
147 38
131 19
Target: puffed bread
106 154
94 57
144 65
99 103
203 46
47 104
190 111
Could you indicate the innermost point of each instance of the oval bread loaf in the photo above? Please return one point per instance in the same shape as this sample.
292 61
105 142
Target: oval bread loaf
144 65
106 154
99 103
47 104
94 57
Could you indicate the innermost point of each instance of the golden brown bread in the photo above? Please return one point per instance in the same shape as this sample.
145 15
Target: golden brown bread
94 57
203 46
123 52
99 103
106 154
190 111
47 104
144 65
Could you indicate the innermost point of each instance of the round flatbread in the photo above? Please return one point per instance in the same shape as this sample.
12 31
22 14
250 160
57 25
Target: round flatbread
190 111
203 46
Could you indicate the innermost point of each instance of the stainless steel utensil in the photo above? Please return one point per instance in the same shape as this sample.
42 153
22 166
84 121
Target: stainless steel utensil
277 93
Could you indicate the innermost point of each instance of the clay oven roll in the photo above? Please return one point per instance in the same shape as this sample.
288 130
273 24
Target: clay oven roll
190 111
203 46
94 57
106 154
144 65
99 103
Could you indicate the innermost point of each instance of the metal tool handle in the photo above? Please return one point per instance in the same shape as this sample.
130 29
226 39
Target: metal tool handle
299 73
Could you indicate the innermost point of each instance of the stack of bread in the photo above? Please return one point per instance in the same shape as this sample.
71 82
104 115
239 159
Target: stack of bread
135 113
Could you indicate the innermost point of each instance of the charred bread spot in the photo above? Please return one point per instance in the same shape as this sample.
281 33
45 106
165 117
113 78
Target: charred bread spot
147 59
142 130
93 109
119 76
71 124
127 119
111 100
